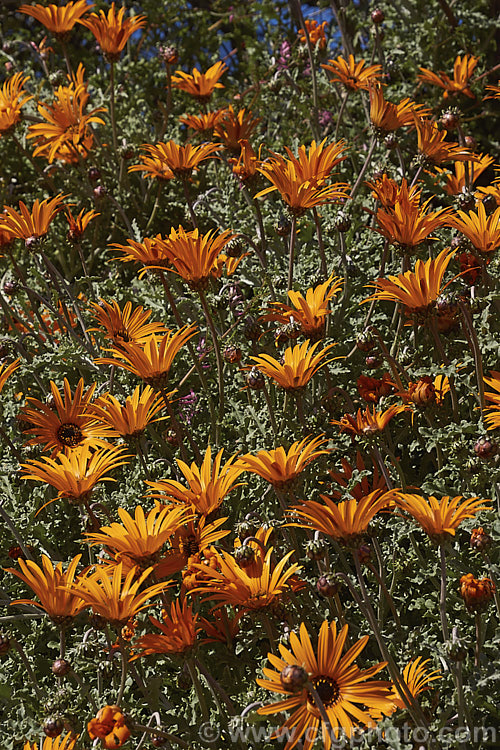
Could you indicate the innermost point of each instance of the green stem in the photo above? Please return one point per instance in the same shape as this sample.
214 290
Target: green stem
291 251
123 678
442 596
112 106
365 166
198 689
321 244
218 356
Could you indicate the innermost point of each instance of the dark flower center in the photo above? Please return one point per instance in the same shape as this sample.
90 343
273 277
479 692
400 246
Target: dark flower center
327 689
69 435
123 335
190 546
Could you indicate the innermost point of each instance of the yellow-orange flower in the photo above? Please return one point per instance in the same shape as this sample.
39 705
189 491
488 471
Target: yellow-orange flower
198 84
247 164
345 522
67 424
78 224
114 597
7 370
232 585
58 19
150 252
138 540
367 422
125 325
31 225
417 678
180 161
433 146
311 311
232 127
483 231
387 191
463 69
129 420
315 32
279 467
188 546
476 593
113 31
466 173
51 585
194 256
204 122
179 630
439 518
300 364
365 485
353 75
207 486
493 382
12 98
372 390
386 116
416 290
109 725
152 359
63 742
351 699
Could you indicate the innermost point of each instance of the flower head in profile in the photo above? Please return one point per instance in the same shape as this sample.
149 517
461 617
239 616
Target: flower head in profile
367 422
232 127
109 725
433 146
372 390
315 32
280 467
67 422
388 192
178 632
208 484
353 75
246 166
6 370
465 172
492 418
180 161
50 583
311 311
366 484
203 122
63 742
12 98
300 364
416 290
116 598
230 584
476 592
78 224
31 225
351 698
387 117
58 19
151 361
150 252
418 678
112 30
440 518
481 230
463 70
198 84
195 257
124 325
347 521
129 420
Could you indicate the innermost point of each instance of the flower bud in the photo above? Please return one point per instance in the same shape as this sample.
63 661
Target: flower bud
315 549
254 379
232 354
476 593
364 554
485 447
327 586
365 341
480 540
378 16
244 555
94 174
371 361
53 726
4 644
61 667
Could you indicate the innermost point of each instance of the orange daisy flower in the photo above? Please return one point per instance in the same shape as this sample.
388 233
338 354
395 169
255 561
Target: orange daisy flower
129 420
367 422
481 230
388 192
12 98
315 32
463 70
361 488
372 390
203 122
207 487
311 311
58 19
232 127
31 225
279 467
346 522
300 364
75 475
188 546
113 31
416 290
66 423
476 593
353 75
247 165
51 585
433 146
151 361
115 598
170 157
179 632
495 91
124 325
78 224
351 699
150 252
6 370
387 117
456 183
194 256
440 518
198 84
417 678
63 742
110 727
